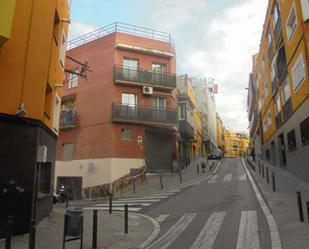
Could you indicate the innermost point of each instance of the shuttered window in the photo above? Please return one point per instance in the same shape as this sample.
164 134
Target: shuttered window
291 140
298 72
67 152
304 131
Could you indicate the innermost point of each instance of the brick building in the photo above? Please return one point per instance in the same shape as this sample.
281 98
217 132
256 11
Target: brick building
125 114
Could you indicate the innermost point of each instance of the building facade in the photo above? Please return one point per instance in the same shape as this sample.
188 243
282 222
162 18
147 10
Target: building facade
280 79
220 134
236 144
125 115
32 58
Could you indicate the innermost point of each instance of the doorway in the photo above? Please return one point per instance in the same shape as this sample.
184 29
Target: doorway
273 153
282 151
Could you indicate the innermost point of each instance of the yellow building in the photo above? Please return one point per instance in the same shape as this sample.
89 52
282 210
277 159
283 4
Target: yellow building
197 145
281 86
33 36
220 134
236 144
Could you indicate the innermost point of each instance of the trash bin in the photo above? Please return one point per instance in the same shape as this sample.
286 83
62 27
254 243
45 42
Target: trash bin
203 165
75 217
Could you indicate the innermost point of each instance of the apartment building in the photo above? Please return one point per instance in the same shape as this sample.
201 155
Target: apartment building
125 115
32 58
280 83
220 134
236 144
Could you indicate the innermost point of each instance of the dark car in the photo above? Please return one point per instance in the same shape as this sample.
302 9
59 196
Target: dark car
215 154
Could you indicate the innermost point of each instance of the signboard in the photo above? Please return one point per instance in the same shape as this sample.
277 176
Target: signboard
90 167
216 89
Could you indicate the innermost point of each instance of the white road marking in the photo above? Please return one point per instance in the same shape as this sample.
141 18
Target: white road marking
162 218
144 198
208 234
135 201
172 234
248 234
213 179
227 178
172 193
215 171
121 204
131 209
243 177
274 233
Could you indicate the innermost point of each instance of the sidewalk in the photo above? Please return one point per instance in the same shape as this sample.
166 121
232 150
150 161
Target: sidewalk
49 232
283 204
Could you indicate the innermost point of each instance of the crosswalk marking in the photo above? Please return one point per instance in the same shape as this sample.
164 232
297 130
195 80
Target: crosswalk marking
208 234
213 179
243 177
227 178
135 201
248 237
131 209
145 198
172 234
162 217
121 204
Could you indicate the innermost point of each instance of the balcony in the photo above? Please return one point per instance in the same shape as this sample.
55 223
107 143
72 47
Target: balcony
278 120
68 120
142 77
277 27
186 130
287 109
143 114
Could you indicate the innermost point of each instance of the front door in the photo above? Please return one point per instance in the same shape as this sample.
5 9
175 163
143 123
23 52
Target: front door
159 109
282 150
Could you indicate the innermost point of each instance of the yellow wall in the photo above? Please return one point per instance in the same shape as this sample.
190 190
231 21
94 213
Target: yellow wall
220 134
197 132
6 17
30 59
242 144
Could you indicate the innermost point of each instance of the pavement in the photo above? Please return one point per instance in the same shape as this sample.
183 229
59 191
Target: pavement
283 204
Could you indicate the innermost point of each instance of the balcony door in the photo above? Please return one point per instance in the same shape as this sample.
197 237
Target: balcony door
129 105
159 71
159 108
130 69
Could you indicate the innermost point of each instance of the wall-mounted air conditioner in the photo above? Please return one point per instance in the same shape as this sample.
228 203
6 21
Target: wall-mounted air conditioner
147 90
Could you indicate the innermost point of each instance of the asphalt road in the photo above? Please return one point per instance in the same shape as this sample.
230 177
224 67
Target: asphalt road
221 213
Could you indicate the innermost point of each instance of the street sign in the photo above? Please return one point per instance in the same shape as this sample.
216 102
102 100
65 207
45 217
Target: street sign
90 167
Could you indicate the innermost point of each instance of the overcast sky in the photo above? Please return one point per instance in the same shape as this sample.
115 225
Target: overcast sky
214 39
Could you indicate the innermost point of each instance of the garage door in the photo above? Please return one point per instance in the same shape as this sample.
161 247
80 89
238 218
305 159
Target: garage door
159 150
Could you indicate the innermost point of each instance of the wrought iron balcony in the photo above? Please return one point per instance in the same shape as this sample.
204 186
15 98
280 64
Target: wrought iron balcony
186 130
143 114
278 120
68 120
287 109
277 27
144 77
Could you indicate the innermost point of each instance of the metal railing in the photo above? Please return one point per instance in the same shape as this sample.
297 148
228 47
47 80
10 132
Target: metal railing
287 109
144 114
144 76
121 28
68 118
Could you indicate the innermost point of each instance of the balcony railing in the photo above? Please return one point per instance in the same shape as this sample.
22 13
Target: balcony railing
277 27
186 130
121 28
143 114
287 109
67 120
281 63
278 120
143 76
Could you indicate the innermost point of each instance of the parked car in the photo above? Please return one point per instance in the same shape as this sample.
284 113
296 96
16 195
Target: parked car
215 154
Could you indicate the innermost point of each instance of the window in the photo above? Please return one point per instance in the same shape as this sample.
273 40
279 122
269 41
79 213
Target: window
260 105
182 112
67 152
262 99
263 60
44 178
56 27
267 155
159 70
129 103
235 144
276 14
63 49
269 120
227 143
273 68
264 126
277 105
298 72
286 90
68 4
305 9
304 131
126 135
291 23
130 69
266 89
73 79
292 140
269 37
56 113
159 103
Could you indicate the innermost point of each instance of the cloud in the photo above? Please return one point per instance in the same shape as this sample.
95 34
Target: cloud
78 28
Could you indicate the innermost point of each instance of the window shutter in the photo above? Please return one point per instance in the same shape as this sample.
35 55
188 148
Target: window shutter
67 152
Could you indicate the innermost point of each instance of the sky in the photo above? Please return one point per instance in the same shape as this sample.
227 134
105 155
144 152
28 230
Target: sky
214 39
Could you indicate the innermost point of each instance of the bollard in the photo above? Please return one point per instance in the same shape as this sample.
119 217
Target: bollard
9 233
126 219
197 169
110 204
259 167
95 229
307 203
254 168
121 186
113 189
161 181
274 181
300 207
180 176
267 175
32 234
263 172
134 186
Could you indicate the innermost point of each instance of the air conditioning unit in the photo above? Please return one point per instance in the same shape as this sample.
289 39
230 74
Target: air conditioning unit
147 90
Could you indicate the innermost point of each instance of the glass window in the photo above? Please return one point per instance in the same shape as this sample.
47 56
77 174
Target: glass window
298 72
126 135
269 37
63 48
263 60
56 112
158 75
182 112
264 125
276 14
277 105
286 91
304 130
129 99
73 79
159 103
291 23
269 119
273 68
292 140
266 89
262 99
130 69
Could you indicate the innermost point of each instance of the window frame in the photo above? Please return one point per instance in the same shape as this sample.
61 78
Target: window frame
269 118
286 84
303 141
184 108
56 118
266 86
63 46
264 125
299 59
291 135
290 31
126 137
277 98
75 78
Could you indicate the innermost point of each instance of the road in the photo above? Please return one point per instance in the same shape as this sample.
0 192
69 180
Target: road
221 213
